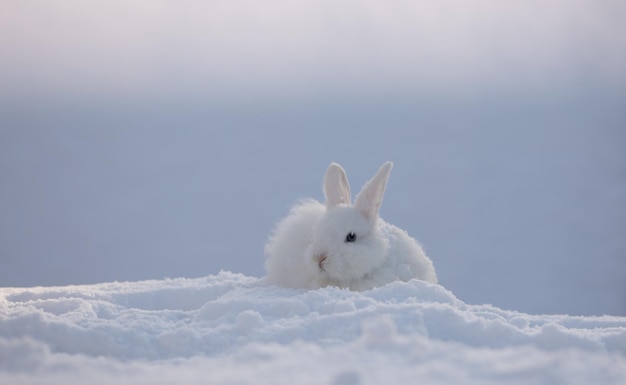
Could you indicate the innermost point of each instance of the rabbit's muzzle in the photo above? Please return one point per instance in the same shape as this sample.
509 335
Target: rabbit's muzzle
321 260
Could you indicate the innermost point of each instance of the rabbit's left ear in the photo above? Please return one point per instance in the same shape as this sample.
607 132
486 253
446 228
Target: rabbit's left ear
336 186
371 196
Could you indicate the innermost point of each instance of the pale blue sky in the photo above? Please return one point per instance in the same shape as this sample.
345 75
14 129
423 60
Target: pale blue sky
166 138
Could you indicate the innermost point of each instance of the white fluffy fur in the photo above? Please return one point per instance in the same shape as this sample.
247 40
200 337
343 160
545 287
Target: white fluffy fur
308 248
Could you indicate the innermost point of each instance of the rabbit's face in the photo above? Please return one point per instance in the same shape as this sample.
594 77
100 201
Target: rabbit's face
346 246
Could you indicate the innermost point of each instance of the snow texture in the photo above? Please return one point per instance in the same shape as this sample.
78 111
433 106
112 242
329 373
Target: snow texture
231 328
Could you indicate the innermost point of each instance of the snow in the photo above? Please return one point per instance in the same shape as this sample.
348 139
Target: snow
232 328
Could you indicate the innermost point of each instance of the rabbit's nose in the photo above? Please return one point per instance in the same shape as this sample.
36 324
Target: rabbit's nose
321 259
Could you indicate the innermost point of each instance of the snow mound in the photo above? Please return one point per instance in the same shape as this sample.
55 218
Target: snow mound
231 328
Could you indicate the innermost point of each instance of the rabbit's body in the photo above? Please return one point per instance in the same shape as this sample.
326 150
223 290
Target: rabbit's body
342 245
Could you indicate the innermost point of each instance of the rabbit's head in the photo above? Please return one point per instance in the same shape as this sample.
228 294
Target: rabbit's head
346 243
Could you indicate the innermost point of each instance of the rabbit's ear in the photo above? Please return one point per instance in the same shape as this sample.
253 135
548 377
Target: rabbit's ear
371 196
336 187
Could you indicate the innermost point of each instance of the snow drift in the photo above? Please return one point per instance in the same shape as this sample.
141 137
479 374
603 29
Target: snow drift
231 328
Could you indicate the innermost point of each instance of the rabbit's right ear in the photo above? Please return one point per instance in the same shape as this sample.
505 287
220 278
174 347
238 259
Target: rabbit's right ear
336 186
371 196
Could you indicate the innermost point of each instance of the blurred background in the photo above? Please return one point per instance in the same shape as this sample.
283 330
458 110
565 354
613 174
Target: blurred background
151 139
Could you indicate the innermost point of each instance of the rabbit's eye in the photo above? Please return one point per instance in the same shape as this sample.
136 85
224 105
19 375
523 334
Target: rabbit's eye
351 237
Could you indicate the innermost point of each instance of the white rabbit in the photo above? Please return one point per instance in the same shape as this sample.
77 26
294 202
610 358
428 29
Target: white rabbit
343 245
